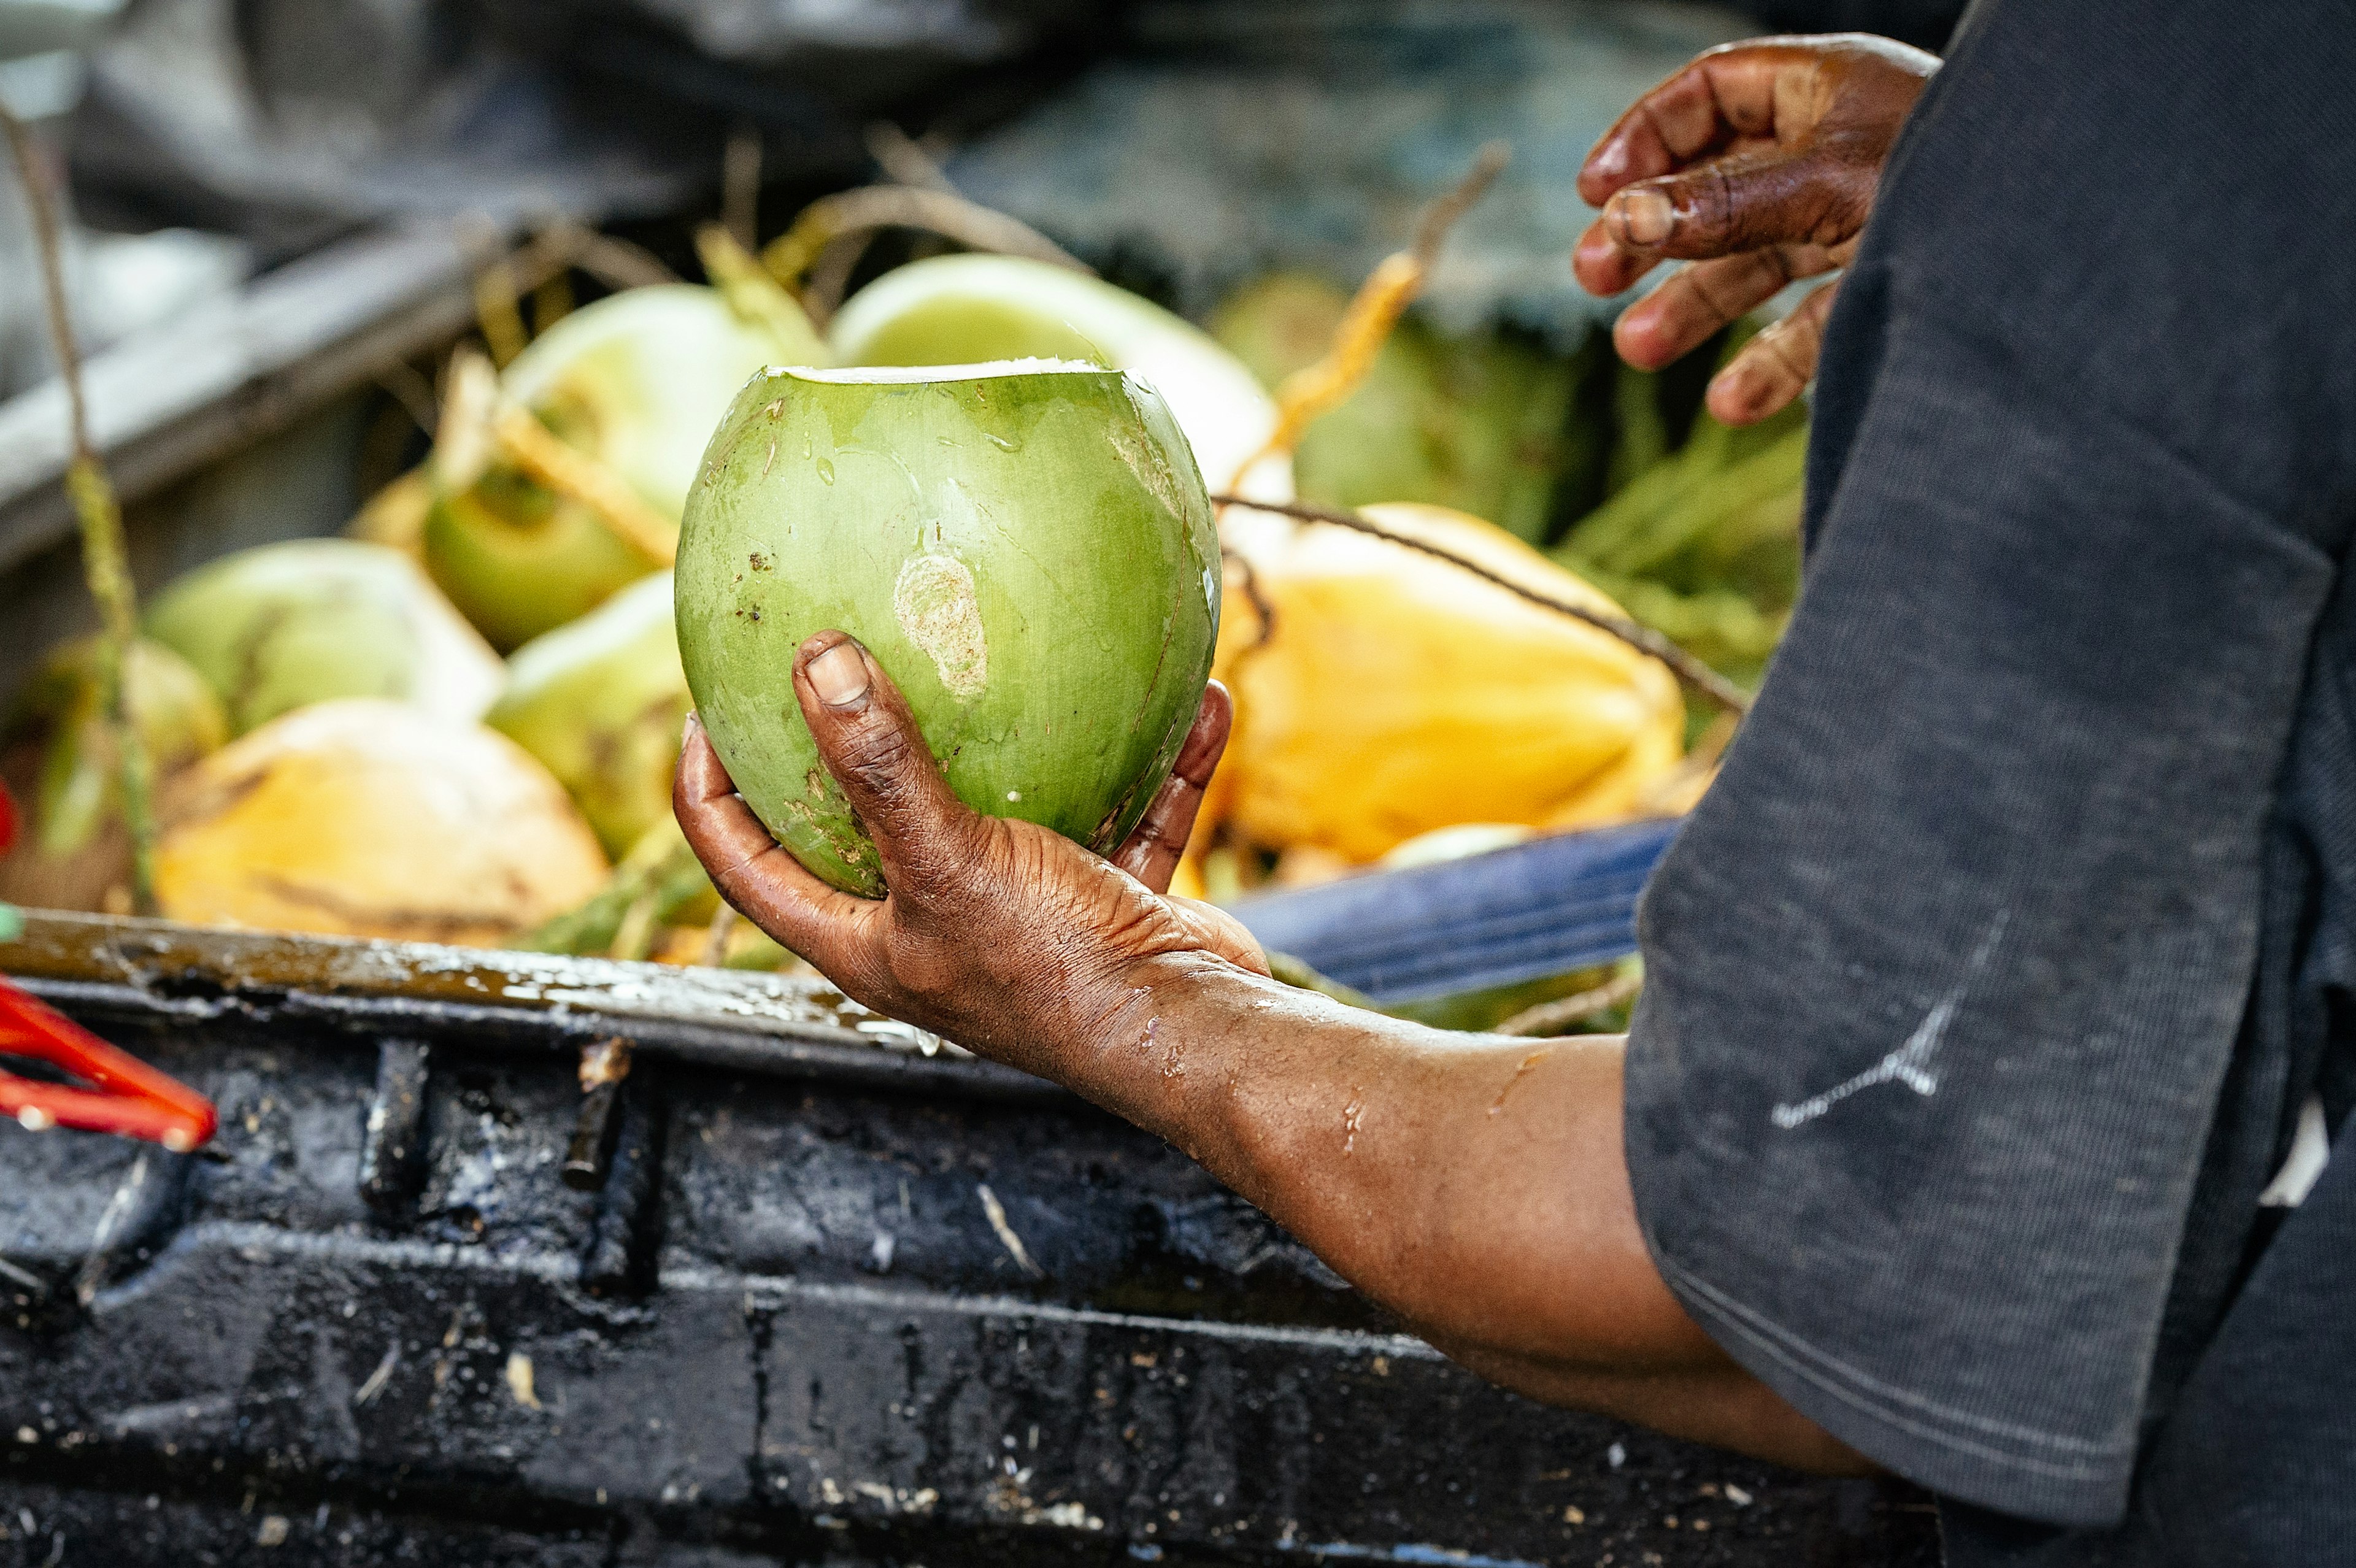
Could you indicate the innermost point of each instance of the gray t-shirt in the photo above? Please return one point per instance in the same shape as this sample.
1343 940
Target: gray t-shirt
1989 985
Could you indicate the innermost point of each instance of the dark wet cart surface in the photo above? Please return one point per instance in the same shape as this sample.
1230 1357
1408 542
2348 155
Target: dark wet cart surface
831 1300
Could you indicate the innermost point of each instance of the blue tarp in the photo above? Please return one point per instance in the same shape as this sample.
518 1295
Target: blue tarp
1545 907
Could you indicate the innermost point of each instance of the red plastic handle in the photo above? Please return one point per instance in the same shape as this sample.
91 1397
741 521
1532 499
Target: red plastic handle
125 1096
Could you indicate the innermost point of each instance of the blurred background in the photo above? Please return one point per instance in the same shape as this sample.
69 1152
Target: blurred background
286 224
208 140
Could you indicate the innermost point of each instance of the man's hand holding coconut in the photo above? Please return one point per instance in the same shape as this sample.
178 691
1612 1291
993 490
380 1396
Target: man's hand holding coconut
1006 937
950 632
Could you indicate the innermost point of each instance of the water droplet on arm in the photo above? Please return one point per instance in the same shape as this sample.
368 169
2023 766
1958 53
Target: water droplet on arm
1532 1060
1173 1062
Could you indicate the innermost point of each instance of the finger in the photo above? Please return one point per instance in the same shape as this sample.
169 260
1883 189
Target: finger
1604 267
1221 932
757 876
1152 851
1741 202
1774 367
1695 303
1727 92
925 837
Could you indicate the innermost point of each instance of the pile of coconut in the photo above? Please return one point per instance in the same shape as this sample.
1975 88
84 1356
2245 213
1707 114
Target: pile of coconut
459 723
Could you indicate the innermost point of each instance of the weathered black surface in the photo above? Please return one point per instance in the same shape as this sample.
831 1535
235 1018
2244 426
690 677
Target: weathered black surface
784 1328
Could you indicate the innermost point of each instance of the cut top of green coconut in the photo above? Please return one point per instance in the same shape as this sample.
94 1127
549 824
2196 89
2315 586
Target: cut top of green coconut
902 375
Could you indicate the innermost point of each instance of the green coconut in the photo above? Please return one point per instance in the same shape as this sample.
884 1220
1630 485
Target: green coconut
58 754
636 380
600 703
1026 548
284 625
519 561
972 309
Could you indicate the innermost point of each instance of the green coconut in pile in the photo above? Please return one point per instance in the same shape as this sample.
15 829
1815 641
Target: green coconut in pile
974 309
1481 423
282 627
600 703
633 382
1026 546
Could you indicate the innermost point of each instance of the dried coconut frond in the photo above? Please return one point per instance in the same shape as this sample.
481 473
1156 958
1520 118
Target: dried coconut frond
751 291
497 312
1555 1018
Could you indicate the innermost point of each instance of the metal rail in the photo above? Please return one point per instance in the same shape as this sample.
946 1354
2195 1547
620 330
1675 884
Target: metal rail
154 971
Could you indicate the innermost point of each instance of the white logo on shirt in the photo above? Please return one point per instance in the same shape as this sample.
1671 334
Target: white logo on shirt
2310 1151
1911 1063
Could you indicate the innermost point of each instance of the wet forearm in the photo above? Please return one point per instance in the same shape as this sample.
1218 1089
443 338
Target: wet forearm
1473 1184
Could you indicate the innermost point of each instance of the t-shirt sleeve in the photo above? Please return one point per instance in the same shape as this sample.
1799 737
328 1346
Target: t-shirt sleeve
1944 975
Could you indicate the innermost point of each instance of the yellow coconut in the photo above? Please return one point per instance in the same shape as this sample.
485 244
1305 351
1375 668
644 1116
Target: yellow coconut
1399 694
368 818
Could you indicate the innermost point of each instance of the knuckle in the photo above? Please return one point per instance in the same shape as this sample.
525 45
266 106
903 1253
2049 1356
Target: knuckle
1788 365
1719 300
1715 218
1162 818
877 753
733 881
943 866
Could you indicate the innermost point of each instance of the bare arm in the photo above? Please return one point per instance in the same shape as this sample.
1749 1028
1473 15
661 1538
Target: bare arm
1474 1185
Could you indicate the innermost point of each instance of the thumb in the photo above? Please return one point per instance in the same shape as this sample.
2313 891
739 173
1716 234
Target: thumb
1745 202
925 837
